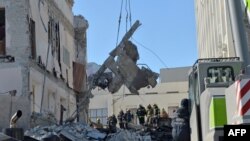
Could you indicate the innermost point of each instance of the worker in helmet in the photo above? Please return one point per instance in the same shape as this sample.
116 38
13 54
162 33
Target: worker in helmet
180 123
96 124
128 116
164 114
99 124
150 113
112 121
121 119
141 113
156 115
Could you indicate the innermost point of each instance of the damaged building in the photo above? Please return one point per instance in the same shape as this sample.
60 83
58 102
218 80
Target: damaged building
42 61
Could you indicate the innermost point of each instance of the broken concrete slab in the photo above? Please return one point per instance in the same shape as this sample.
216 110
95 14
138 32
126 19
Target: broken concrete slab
70 131
72 136
96 135
42 119
127 135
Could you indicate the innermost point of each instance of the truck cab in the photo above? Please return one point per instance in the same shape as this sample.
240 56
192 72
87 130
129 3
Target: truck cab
208 80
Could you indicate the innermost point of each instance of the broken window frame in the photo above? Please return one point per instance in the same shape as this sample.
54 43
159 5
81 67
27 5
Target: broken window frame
66 57
33 38
3 30
92 114
54 38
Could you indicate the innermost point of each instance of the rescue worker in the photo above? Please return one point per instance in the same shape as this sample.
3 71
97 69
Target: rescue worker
165 117
96 124
156 115
180 123
112 121
141 112
99 124
150 113
164 114
128 116
121 119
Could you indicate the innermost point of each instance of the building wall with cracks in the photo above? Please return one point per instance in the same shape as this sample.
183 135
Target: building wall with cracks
39 36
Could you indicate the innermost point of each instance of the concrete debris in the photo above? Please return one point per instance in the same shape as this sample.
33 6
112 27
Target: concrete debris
96 135
42 119
83 132
68 132
103 81
162 132
124 70
125 67
122 62
128 135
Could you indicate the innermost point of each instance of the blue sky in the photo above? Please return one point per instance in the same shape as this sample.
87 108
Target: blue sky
166 38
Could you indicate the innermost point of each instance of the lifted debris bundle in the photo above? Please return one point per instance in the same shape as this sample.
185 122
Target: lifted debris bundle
124 70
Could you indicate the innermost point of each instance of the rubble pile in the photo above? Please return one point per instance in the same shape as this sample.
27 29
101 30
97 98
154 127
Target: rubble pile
42 119
160 134
127 135
83 132
66 132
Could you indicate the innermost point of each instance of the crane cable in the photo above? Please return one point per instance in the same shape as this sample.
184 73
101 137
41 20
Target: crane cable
126 8
151 51
119 24
130 17
128 14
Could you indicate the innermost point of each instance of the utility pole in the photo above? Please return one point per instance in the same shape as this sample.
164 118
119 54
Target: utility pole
238 31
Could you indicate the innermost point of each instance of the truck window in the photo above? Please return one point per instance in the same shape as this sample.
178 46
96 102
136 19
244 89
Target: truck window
220 74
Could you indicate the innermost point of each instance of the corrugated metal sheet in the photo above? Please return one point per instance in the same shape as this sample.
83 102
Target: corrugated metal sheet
79 74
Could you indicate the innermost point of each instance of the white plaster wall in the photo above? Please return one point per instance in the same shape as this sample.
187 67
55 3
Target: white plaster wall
62 4
11 78
102 99
40 17
68 43
162 100
61 92
18 103
116 102
159 88
17 36
66 39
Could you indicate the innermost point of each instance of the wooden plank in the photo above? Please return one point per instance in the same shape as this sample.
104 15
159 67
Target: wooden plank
79 75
